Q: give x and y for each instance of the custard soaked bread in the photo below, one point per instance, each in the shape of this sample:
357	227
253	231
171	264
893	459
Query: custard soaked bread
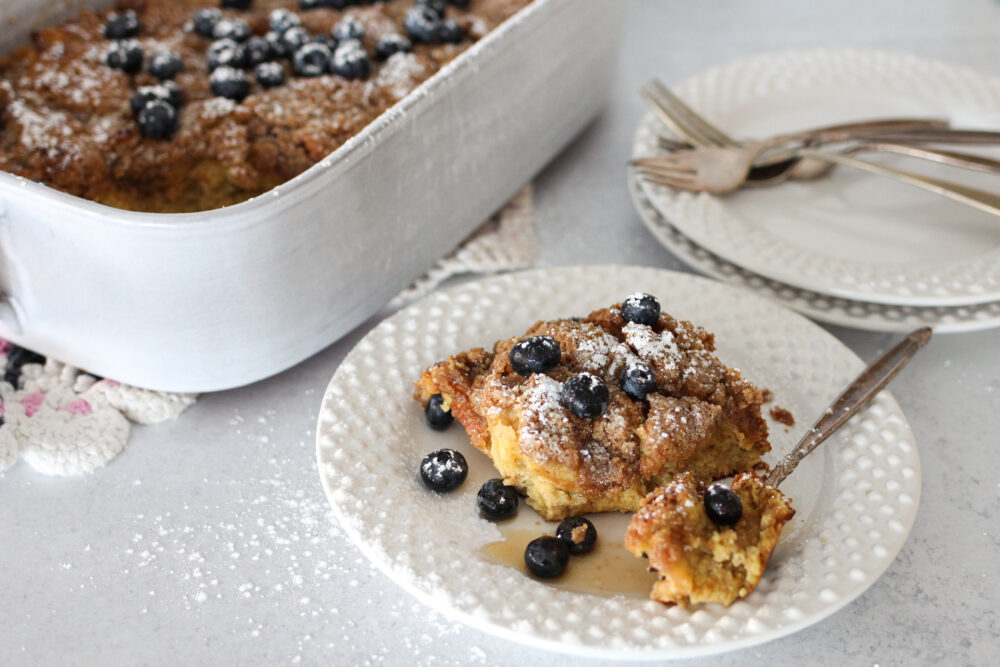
189	105
710	547
589	415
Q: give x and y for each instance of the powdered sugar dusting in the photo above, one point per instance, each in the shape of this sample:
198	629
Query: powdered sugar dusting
400	74
658	350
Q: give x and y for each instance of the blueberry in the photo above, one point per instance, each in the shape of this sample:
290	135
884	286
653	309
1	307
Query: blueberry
276	41
146	94
229	82
459	3
165	65
237	4
311	60
536	354
451	32
391	43
125	55
294	39
348	28
270	75
586	395
235	29
496	500
437	6
641	309
722	504
17	357
158	119
351	61
437	417
422	24
329	41
205	20
280	20
578	534
174	93
313	4
444	470
637	380
546	556
257	50
226	53
120	26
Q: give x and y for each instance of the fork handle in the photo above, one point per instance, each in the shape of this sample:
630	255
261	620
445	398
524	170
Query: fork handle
856	396
984	201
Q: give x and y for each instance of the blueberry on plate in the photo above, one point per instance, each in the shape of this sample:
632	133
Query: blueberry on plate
422	24
722	505
586	395
390	44
348	28
257	50
229	82
270	75
437	417
237	4
294	39
235	29
496	500
311	60
437	6
158	119
121	26
205	20
125	55
351	61
641	309
146	94
546	556
226	53
451	32
444	470
280	20
165	65
536	354
578	534
637	380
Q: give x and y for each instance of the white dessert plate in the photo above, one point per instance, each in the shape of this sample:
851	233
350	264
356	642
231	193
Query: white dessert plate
856	497
821	307
851	235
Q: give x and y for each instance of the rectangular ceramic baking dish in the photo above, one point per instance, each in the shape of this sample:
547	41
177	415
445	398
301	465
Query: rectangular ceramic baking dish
214	300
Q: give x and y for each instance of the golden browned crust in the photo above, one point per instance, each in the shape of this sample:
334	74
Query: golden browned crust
703	418
66	119
697	560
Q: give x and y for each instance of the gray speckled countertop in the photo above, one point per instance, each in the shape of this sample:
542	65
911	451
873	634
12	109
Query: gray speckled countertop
208	540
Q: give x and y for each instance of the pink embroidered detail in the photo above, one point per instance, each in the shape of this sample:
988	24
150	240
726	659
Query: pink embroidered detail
79	407
4	346
32	402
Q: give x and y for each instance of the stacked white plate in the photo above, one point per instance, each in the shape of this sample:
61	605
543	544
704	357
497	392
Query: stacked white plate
852	249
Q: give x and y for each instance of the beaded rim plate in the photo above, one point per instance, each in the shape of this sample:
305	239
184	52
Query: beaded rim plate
856	498
850	235
843	312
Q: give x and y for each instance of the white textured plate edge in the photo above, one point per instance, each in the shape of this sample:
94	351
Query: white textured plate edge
804	299
439	601
777	272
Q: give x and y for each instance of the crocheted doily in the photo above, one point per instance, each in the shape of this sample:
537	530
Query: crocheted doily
64	421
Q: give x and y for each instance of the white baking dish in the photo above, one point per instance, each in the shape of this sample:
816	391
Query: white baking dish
208	301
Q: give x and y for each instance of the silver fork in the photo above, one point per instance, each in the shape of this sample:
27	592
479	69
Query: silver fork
721	164
720	170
